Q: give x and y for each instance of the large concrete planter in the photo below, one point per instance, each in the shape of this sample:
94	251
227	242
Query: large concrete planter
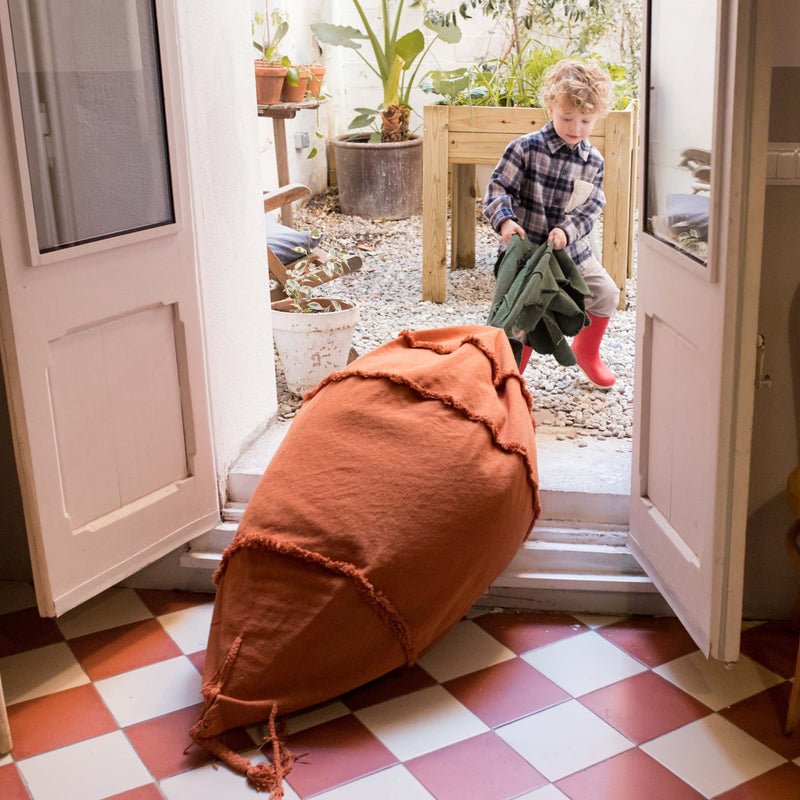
381	180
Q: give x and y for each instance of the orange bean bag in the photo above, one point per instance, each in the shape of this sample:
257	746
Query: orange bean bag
404	487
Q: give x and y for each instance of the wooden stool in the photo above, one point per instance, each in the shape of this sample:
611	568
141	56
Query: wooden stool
5	731
793	548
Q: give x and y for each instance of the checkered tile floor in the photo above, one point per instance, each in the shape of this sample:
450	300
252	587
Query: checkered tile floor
507	705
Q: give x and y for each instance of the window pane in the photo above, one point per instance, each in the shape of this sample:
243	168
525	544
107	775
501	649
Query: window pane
680	103
92	107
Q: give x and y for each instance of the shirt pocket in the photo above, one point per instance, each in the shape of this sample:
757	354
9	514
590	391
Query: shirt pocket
581	192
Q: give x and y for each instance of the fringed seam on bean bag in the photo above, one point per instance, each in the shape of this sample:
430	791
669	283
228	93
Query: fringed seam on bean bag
264	777
428	394
373	597
499	376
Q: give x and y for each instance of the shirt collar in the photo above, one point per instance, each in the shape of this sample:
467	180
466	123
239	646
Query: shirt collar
555	143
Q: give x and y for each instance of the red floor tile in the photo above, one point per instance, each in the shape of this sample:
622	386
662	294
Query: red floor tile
71	716
480	768
199	660
161	601
505	692
337	752
644	706
653	640
117	650
632	775
774	645
148	792
526	631
781	783
161	743
763	716
26	630
11	785
394	684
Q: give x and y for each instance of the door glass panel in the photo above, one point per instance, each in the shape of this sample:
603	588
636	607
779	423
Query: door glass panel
93	115
680	103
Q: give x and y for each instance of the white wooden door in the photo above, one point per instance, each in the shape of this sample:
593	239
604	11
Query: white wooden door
101	330
707	88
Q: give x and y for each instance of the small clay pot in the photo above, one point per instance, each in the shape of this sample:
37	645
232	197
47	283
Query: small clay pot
269	82
296	94
315	82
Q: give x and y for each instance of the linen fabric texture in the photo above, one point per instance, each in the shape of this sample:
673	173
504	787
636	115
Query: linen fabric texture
539	299
404	487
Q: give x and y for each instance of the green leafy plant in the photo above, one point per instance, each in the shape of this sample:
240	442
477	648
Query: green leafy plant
513	81
396	59
273	27
305	274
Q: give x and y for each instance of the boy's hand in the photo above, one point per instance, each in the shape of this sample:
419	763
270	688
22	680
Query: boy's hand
509	228
557	238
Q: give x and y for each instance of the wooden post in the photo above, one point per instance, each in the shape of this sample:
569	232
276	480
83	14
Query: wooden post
617	185
434	204
462	216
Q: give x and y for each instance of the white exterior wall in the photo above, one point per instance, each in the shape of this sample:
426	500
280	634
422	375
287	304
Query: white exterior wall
228	218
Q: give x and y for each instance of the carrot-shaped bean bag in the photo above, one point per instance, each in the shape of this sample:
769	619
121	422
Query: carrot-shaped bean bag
404	487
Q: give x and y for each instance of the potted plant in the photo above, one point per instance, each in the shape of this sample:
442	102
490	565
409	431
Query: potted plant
379	173
312	335
276	76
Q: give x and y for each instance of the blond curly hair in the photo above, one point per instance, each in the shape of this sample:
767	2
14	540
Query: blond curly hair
573	85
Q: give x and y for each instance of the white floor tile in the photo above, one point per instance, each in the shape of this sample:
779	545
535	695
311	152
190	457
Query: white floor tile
563	739
715	684
545	793
583	663
595	621
420	722
151	691
6	759
712	755
464	648
308	719
110	609
394	783
15	596
38	672
89	770
222	783
189	627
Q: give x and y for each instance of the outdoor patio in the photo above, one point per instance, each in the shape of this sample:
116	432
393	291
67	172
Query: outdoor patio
388	290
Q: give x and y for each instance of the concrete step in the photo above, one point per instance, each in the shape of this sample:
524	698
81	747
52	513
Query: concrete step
581	479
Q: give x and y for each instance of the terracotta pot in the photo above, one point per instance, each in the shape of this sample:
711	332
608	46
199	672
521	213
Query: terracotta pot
296	94
269	82
315	82
380	180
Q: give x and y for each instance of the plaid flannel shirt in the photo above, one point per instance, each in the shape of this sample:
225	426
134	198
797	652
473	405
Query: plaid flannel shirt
533	182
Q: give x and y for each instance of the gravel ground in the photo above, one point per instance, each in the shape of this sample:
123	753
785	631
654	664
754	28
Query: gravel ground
388	289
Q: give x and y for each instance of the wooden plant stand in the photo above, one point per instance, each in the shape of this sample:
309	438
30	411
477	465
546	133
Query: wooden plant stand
457	138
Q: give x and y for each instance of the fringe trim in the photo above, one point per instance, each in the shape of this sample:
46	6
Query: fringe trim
263	776
373	597
448	400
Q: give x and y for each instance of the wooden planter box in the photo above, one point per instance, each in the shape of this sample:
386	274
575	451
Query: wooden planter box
457	138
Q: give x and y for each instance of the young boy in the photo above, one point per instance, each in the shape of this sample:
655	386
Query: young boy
548	186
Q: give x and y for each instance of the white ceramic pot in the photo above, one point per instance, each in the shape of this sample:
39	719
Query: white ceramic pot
312	345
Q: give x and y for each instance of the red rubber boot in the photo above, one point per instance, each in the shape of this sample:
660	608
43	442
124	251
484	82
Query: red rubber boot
586	346
526	355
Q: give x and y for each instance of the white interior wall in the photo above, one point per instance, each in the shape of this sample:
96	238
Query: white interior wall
228	217
771	580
